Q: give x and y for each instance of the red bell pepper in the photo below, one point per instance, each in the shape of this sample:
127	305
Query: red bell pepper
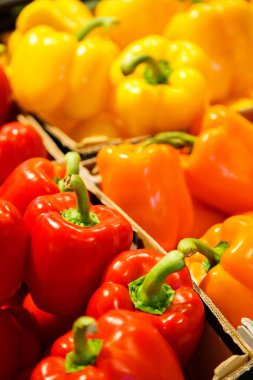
5	96
50	326
69	247
125	347
13	247
34	177
19	343
18	142
159	288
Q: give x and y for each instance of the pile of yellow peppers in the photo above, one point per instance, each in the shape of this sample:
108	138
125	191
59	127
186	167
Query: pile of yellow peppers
133	67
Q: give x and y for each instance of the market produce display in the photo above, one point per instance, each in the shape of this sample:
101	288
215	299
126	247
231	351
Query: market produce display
85	293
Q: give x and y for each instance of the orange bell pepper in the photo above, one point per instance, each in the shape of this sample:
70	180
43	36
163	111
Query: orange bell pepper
229	284
205	217
148	183
219	169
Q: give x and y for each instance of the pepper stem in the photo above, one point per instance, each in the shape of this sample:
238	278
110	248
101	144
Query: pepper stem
80	216
190	246
85	350
96	22
72	167
176	139
157	72
149	293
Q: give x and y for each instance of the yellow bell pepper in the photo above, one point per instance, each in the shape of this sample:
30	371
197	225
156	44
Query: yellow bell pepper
63	15
138	18
224	30
60	79
164	90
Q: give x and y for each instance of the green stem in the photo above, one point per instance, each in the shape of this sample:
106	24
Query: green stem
157	72
150	293
85	350
72	167
96	22
190	246
81	215
176	139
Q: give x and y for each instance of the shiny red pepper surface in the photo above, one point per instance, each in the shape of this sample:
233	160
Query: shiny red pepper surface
131	349
13	247
18	142
180	323
30	179
67	256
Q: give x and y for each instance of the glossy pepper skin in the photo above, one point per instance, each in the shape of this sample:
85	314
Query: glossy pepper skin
154	80
30	179
18	142
69	249
156	197
5	96
204	24
223	149
63	15
151	18
181	319
19	343
66	16
229	244
131	349
13	247
73	84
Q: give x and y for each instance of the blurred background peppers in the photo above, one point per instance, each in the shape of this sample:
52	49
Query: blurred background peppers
73	83
148	183
224	30
5	96
138	18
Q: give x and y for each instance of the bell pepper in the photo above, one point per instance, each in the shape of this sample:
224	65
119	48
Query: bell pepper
70	244
159	289
50	326
18	142
19	343
75	92
219	168
13	247
229	283
65	16
138	18
122	346
34	177
156	197
204	24
5	96
205	216
162	79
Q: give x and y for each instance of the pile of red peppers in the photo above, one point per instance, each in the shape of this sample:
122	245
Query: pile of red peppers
79	303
